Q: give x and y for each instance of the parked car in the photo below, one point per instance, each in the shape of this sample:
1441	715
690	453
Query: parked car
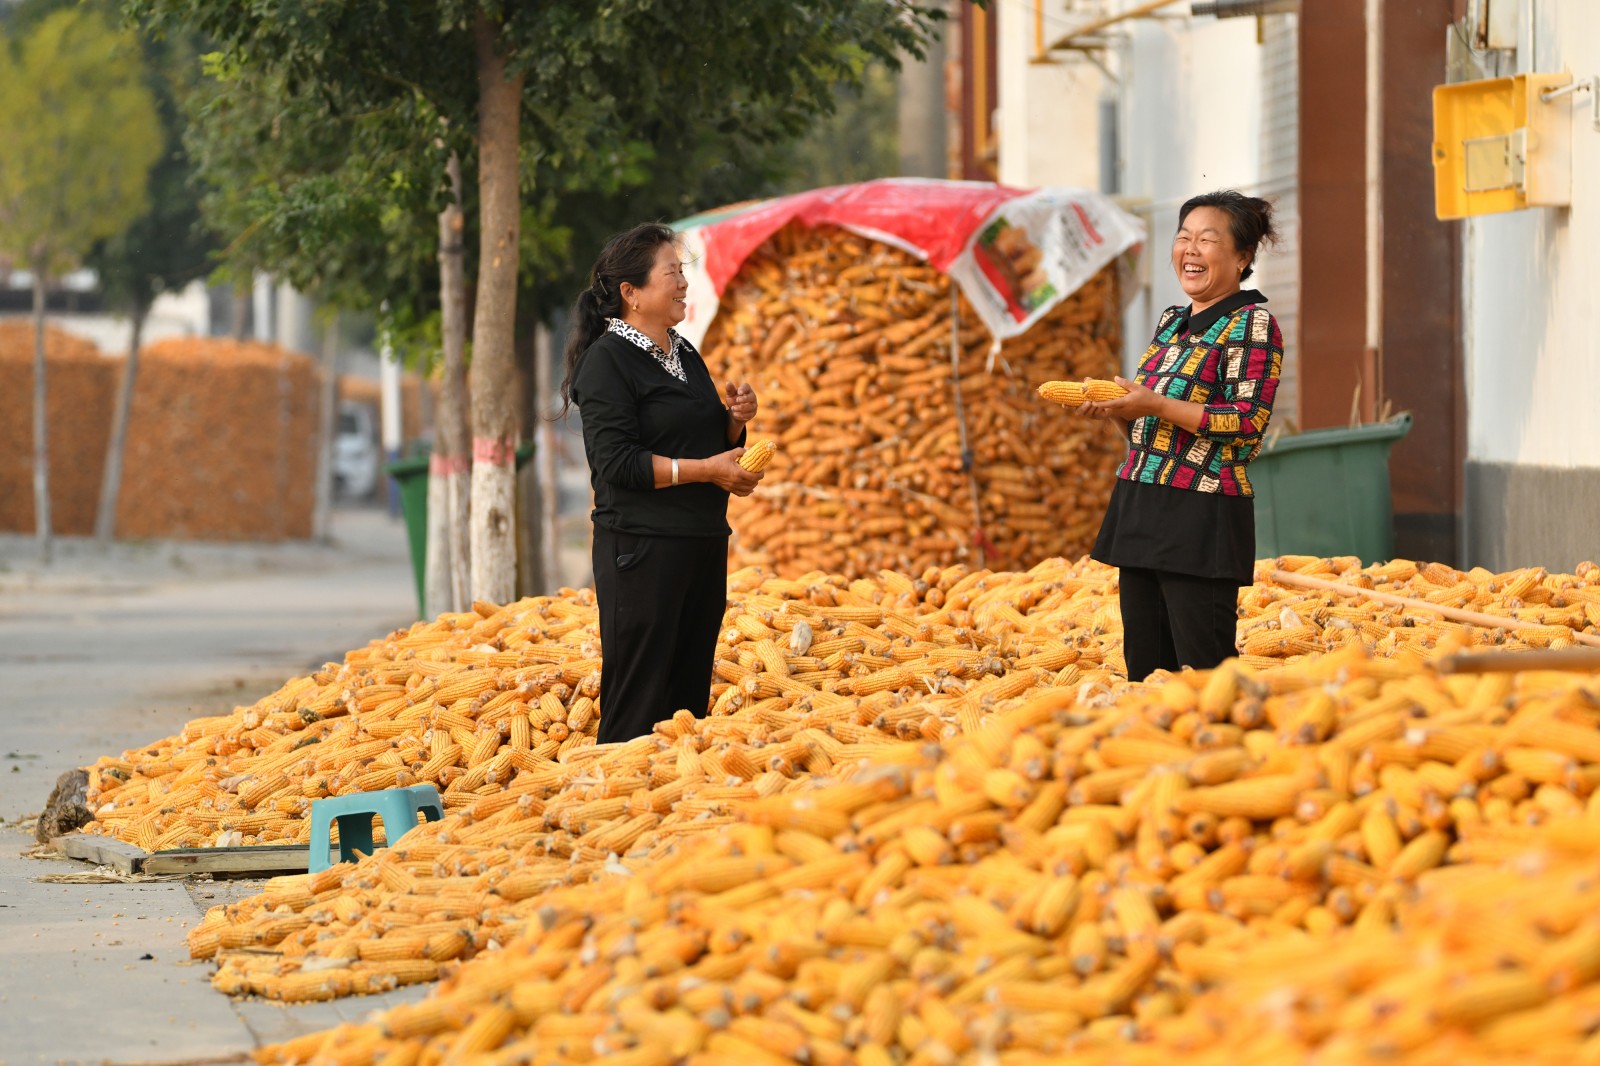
356	455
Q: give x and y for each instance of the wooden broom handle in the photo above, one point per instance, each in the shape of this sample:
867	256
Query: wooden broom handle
1577	660
1455	614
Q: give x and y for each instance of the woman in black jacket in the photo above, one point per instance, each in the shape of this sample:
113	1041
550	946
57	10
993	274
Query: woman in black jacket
663	447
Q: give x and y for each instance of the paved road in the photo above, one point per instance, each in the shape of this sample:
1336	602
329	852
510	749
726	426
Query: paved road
100	652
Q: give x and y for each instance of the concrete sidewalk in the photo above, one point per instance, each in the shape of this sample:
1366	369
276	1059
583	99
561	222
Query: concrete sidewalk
100	652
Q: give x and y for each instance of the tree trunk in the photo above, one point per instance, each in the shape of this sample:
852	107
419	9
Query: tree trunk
449	573
493	379
105	519
327	418
239	308
531	580
41	442
545	456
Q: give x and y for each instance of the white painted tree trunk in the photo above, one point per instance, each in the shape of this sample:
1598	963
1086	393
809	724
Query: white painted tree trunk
105	519
322	506
437	594
41	428
493	374
545	456
449	576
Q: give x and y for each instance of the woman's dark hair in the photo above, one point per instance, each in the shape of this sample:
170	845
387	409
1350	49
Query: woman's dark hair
627	257
1249	220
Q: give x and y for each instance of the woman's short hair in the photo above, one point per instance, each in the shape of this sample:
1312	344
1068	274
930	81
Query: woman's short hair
1249	220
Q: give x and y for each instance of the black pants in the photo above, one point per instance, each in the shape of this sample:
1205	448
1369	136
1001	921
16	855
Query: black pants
1172	620
661	604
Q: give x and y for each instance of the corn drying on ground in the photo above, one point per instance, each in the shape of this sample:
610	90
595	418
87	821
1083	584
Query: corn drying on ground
927	821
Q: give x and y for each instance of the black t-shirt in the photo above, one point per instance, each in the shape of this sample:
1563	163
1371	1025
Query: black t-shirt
634	407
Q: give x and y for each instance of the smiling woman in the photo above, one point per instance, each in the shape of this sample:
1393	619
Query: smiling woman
663	447
1181	521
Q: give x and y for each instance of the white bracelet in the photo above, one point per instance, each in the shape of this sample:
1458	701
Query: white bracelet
674	471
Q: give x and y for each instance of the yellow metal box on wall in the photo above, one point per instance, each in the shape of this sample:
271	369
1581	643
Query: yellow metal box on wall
1498	147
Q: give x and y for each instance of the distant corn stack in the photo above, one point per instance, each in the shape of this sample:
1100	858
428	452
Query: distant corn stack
887	463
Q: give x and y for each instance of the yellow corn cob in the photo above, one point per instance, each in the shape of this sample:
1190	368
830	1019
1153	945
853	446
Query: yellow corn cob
1076	393
758	455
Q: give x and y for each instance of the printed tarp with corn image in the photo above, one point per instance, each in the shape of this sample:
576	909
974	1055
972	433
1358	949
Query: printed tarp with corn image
927	821
896	364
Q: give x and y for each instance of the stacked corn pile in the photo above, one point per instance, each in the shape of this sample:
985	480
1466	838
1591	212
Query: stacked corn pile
816	686
221	438
79	384
1539	609
1076	878
467	700
847	342
1492	960
462	702
221	442
815	676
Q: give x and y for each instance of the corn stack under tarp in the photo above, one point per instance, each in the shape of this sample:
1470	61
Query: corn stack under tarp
848	344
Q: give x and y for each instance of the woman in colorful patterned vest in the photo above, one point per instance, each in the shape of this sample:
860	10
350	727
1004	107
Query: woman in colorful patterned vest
1181	522
663	443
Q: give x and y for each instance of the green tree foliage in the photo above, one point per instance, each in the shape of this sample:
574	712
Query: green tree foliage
80	131
541	101
632	109
858	141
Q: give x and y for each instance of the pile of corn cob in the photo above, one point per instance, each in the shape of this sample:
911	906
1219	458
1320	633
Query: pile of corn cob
848	342
469	700
814	677
1074	877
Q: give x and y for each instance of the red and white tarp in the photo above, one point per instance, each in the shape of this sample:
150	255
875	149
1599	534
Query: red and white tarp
1016	253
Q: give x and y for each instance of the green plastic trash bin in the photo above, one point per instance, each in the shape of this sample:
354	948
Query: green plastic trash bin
1326	492
411	475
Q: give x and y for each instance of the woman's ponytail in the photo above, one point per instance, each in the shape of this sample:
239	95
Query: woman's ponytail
587	322
627	257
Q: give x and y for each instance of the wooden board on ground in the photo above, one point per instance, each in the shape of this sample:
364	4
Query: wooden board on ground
128	859
263	858
102	851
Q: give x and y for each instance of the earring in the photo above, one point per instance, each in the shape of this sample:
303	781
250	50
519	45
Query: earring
636	308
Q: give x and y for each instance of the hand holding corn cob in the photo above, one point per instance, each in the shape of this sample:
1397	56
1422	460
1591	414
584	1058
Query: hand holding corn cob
732	472
758	455
1077	393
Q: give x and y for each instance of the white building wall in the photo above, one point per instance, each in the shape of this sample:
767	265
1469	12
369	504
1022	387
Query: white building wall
1193	112
1048	121
1531	317
1532	284
175	314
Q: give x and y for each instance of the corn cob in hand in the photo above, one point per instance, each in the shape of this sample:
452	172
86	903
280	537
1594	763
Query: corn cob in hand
758	455
1076	393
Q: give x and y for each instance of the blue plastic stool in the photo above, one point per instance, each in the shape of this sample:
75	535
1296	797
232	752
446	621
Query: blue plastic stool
397	807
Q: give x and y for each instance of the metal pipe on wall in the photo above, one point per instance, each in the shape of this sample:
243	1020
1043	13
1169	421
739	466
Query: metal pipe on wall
1371	379
1226	9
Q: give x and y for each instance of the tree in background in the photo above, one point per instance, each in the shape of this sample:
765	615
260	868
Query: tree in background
81	132
859	141
164	250
584	87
